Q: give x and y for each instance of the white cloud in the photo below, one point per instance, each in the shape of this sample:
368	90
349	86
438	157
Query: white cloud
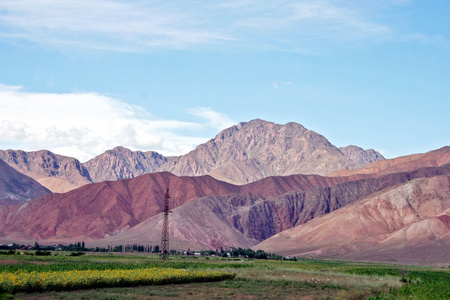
145	25
307	23
100	24
381	151
217	120
83	125
4	87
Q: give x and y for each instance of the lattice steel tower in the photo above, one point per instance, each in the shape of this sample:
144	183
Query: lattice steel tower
165	230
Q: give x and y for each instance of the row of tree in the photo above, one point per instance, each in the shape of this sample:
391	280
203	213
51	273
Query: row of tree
81	247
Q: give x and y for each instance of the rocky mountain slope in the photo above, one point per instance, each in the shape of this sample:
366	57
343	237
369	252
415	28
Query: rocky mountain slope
208	212
407	223
240	154
257	149
244	219
100	209
97	210
360	156
56	172
16	188
122	163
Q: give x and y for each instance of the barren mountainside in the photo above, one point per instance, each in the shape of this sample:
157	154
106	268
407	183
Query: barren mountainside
240	154
122	163
407	223
398	216
100	209
251	213
244	219
43	164
360	156
257	149
407	163
16	188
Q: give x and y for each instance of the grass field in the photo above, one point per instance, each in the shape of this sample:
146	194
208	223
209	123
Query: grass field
254	279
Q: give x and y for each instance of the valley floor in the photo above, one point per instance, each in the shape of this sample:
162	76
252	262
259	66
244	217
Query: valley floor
255	279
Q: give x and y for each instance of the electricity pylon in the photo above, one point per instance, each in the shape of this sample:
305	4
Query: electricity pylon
165	229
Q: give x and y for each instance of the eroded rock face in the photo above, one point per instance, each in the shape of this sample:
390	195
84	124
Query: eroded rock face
360	156
61	174
258	149
256	217
209	211
246	218
16	188
405	223
122	163
41	165
106	208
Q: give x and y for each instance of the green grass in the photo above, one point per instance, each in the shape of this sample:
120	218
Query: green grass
255	279
426	285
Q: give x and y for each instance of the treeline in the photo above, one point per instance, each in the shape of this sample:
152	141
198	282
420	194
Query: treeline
80	247
127	248
250	253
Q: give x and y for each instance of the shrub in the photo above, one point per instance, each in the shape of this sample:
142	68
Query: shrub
42	253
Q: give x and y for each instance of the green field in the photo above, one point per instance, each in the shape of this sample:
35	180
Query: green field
253	279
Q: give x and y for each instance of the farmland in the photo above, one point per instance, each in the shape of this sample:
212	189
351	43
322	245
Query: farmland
139	276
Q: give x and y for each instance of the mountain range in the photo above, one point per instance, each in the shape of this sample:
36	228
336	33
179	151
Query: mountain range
240	154
287	190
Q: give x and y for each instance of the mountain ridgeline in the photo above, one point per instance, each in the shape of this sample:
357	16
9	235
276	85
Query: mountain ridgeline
240	154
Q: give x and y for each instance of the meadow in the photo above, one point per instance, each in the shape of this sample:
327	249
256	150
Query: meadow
144	276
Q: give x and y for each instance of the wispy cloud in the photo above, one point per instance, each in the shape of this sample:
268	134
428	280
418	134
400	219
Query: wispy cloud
306	26
142	26
100	24
217	120
83	125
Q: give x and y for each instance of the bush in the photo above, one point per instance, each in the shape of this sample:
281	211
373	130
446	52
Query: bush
79	253
42	253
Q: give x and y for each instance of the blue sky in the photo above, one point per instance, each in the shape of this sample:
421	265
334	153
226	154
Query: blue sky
80	77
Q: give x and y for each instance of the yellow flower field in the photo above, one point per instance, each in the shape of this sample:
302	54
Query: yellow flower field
86	279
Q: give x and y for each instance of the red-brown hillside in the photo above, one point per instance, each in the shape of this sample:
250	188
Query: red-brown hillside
242	220
103	209
99	209
409	223
407	163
